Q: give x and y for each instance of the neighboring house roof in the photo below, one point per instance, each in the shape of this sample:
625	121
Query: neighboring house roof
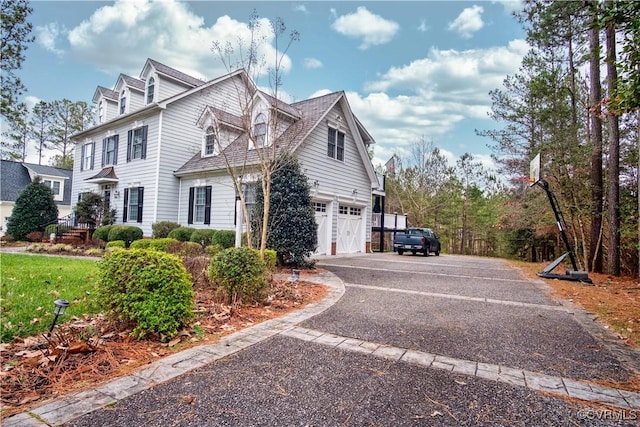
310	112
173	73
106	93
16	176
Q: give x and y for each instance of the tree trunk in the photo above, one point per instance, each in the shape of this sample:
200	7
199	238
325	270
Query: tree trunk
613	252
595	252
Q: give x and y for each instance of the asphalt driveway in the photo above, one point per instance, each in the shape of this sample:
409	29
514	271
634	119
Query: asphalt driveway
413	340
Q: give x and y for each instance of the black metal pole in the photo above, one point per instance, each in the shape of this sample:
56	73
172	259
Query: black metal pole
559	221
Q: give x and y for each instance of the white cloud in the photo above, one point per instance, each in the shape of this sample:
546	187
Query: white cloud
423	26
115	37
300	8
433	95
47	36
511	6
312	63
371	29
468	22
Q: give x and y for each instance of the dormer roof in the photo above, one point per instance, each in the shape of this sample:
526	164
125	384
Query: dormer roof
103	92
169	72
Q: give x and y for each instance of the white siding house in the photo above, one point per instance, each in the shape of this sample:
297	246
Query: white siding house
164	141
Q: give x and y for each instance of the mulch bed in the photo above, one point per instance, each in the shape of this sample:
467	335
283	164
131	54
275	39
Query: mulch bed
83	353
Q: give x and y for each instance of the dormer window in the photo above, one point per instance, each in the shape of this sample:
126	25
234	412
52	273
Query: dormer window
260	129
210	142
123	102
151	87
101	111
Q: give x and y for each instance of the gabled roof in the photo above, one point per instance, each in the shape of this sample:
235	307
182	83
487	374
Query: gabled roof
223	118
172	73
132	82
16	176
310	112
280	105
106	93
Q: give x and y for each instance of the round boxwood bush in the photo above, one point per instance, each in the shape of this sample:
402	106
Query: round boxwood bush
161	244
102	233
224	238
182	234
147	289
116	244
240	274
128	233
203	236
162	229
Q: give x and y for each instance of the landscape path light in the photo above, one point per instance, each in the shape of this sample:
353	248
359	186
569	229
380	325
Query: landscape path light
60	307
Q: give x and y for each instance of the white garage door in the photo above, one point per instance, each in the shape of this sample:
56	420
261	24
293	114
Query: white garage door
322	219
350	230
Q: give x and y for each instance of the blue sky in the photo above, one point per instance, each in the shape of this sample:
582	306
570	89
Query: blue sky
411	70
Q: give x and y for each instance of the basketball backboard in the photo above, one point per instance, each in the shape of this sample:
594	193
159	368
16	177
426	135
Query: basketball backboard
534	170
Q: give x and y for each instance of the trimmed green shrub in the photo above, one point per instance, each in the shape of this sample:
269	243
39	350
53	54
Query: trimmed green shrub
203	236
128	233
240	273
213	250
271	259
184	249
182	234
140	244
224	238
161	244
163	228
102	233
147	289
116	244
33	211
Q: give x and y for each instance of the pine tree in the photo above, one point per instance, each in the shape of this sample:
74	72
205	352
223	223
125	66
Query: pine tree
33	211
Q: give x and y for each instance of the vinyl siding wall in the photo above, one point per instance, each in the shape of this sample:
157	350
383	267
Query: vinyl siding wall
223	200
166	88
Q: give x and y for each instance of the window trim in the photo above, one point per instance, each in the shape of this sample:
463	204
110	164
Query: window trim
151	90
86	159
214	148
192	205
105	150
122	103
130	145
259	130
335	144
126	217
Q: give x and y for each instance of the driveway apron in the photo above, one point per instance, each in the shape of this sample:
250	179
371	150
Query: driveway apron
414	340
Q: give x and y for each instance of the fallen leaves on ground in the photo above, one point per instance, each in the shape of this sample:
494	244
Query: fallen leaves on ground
83	353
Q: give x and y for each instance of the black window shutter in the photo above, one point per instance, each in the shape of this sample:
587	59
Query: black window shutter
115	154
140	200
126	205
93	153
82	157
129	139
207	205
191	197
104	151
144	142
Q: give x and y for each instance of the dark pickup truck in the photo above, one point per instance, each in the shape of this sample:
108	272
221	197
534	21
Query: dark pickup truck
416	240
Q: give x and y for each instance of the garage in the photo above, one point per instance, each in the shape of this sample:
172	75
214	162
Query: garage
350	235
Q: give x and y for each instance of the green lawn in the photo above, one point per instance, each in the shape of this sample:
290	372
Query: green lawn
30	283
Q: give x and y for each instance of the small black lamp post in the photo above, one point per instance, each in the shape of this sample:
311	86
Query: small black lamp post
61	306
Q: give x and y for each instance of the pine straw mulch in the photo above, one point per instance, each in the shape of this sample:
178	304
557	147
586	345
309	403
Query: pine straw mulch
615	301
83	353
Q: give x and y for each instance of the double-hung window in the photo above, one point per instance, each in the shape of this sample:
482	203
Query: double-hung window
210	141
335	144
151	86
123	102
137	143
87	156
110	150
54	186
260	130
199	205
133	199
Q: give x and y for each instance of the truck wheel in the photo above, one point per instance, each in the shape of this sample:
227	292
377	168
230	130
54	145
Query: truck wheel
413	252
400	251
437	253
427	250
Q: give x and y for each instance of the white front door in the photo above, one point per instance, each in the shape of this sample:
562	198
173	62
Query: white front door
350	235
322	219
